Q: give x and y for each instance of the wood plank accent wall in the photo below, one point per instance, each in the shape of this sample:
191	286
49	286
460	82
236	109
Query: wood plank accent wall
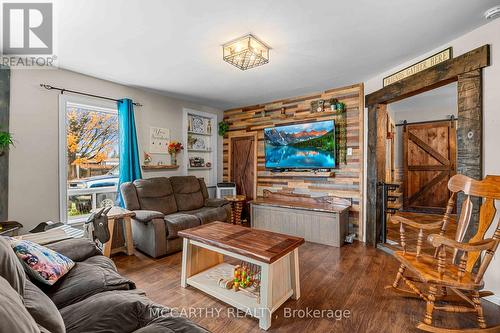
347	179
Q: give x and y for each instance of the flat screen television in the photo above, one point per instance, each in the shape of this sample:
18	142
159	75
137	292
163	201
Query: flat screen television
301	146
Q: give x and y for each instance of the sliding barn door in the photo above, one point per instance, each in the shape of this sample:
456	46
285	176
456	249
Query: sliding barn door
429	162
243	161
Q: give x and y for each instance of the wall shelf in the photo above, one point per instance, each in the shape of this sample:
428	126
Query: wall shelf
200	140
159	167
199	150
196	133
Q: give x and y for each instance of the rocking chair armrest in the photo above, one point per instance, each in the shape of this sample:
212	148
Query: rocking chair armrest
395	219
438	240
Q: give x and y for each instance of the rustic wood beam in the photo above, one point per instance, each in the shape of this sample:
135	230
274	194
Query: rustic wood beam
470	136
4	126
371	176
433	77
377	131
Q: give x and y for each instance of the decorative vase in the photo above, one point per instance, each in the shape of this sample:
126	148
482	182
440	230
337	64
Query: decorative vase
173	158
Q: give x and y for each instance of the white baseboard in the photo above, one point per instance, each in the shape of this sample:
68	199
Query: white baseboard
493	299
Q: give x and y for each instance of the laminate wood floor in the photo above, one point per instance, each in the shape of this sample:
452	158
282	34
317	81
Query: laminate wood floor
350	278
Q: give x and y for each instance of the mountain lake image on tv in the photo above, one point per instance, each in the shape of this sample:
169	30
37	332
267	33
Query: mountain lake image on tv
301	146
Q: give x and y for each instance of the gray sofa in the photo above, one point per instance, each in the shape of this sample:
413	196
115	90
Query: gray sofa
91	297
165	206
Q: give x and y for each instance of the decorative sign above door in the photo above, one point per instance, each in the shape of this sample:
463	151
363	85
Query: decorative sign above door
419	66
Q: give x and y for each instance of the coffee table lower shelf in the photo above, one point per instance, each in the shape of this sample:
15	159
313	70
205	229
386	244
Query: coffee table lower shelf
242	300
203	263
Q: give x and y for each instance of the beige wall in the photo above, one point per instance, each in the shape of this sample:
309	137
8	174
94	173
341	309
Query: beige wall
34	121
487	34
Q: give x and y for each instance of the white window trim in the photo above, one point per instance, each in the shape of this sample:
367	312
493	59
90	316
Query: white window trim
64	100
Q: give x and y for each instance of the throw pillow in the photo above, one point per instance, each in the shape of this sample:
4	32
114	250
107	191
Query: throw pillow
41	263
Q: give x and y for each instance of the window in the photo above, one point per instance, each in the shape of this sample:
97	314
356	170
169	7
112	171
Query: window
89	158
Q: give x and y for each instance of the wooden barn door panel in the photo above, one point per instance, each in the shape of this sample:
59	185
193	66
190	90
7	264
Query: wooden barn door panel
243	165
429	162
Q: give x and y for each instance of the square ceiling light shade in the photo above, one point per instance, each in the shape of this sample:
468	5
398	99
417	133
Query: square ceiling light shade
246	52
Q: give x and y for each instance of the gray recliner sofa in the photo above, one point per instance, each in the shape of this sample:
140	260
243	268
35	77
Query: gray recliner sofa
165	206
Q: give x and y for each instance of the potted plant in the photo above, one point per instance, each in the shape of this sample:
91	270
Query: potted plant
223	128
174	147
5	142
333	104
340	106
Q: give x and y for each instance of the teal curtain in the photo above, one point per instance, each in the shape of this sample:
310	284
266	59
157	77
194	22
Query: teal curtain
130	162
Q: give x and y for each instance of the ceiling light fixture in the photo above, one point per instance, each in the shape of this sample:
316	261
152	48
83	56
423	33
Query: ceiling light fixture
246	52
492	13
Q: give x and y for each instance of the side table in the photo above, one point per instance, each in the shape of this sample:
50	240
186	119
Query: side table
237	202
114	214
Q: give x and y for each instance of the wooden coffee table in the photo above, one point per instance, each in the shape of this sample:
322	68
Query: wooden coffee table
276	254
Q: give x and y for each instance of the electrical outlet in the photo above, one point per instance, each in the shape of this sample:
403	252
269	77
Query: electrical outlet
349	151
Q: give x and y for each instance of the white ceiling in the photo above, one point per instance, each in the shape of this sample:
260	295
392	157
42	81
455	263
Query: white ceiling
174	47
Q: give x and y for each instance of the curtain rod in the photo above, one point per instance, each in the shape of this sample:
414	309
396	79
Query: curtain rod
62	90
452	118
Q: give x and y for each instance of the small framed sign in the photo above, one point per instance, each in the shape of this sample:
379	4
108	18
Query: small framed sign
158	140
429	62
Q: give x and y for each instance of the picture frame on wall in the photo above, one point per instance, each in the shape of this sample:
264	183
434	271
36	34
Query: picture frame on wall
158	140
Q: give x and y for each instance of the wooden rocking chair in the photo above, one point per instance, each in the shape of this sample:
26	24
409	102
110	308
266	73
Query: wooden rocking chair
438	274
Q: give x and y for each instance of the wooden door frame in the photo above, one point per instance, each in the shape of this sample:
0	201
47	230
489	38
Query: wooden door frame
232	136
466	70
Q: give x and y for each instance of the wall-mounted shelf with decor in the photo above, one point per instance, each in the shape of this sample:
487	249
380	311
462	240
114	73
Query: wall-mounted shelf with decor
200	150
197	133
159	167
200	140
